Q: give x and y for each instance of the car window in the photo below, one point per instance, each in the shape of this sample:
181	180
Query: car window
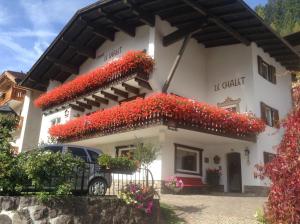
94	156
78	152
53	148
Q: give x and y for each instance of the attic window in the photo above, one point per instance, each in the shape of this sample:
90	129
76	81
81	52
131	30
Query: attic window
267	71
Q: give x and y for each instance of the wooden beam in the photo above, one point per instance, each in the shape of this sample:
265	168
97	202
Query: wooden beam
92	102
108	35
133	98
118	24
100	99
76	107
143	16
120	92
131	89
181	33
196	6
110	96
176	63
64	66
143	83
82	50
84	105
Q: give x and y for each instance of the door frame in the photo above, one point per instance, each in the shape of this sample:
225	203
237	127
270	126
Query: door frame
240	176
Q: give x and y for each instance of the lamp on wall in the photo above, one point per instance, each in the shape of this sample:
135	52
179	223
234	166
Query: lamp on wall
247	154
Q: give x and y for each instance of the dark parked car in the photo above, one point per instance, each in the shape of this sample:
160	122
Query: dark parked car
91	179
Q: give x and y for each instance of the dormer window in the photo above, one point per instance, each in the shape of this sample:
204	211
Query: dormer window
267	71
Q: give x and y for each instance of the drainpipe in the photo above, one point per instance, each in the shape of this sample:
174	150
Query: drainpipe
176	63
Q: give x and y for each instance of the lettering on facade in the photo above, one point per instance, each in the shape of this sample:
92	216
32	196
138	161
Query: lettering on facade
112	53
230	83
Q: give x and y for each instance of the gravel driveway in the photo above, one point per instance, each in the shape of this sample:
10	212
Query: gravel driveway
215	209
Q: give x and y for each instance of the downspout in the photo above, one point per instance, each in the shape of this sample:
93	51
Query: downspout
176	63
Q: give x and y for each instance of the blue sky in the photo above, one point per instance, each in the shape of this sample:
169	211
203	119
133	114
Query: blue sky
27	27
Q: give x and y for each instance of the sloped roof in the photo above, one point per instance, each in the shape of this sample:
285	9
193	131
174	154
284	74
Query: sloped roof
15	77
212	22
293	39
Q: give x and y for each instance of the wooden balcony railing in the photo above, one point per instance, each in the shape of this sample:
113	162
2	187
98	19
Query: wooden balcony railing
14	93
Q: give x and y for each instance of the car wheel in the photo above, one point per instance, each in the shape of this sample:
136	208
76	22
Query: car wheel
97	187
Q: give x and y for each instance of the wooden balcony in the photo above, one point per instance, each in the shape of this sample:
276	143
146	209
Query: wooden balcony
15	94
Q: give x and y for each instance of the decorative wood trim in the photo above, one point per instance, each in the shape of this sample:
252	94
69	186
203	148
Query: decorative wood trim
110	96
230	102
120	92
131	89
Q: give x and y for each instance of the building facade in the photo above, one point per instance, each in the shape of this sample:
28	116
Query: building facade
228	62
18	100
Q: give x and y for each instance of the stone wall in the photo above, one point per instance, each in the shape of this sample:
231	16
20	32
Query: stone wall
73	210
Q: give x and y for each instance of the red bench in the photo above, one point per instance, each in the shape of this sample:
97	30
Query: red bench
190	181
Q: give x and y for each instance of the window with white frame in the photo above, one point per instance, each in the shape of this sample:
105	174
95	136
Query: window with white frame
55	121
269	115
188	159
125	151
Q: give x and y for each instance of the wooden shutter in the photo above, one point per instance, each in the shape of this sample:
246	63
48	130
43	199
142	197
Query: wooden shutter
276	118
263	112
259	64
273	73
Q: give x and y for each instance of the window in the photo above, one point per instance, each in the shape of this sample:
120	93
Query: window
269	115
78	152
93	155
268	157
188	159
55	121
126	150
267	71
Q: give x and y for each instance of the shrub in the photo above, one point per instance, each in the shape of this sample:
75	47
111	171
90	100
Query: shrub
10	175
45	169
283	205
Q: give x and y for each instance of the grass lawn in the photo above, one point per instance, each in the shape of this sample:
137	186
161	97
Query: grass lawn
168	215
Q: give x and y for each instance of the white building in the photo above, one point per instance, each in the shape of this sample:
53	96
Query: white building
20	100
233	60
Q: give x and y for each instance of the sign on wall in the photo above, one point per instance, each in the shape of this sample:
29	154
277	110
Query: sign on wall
230	83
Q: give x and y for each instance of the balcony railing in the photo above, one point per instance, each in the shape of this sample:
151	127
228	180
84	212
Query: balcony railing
14	93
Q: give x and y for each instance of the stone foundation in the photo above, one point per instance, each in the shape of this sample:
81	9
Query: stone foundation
73	210
256	190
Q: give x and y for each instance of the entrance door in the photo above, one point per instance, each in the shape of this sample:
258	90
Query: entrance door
234	173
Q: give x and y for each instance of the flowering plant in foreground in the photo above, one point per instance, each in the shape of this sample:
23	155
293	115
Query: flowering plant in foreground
132	61
157	107
174	184
139	196
283	205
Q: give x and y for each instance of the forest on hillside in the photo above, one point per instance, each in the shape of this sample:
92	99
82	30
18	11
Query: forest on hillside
282	15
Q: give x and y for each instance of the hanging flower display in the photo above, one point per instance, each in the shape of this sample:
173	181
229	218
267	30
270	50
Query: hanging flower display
130	62
157	108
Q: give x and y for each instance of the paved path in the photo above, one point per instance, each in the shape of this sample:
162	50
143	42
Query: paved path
215	209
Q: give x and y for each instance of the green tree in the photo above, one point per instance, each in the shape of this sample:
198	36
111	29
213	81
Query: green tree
282	15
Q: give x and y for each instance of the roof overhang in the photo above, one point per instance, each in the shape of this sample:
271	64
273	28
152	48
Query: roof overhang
212	23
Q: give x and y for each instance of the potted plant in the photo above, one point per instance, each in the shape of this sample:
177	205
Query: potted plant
213	177
117	165
174	184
